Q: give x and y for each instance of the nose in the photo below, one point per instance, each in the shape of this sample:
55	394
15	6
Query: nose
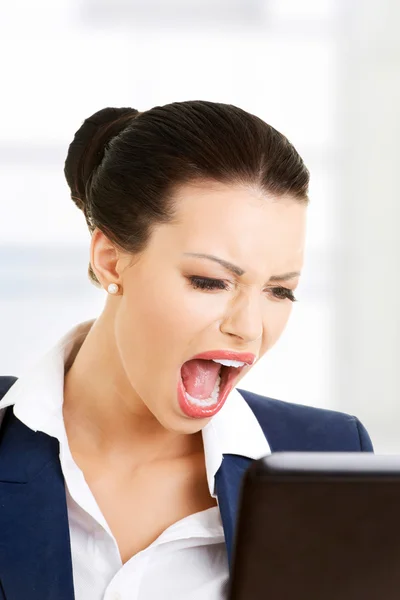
245	319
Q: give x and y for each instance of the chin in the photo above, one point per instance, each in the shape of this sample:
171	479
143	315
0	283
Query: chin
180	423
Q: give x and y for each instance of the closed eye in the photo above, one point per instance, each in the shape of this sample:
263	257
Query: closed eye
206	283
283	293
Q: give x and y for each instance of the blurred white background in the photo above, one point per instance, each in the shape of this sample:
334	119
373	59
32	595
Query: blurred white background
324	72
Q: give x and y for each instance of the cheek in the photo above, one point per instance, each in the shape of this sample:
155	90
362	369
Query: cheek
151	318
159	318
175	308
275	323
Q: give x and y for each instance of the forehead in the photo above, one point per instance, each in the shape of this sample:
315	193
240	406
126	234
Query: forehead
240	223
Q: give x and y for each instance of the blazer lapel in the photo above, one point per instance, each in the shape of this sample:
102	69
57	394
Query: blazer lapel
228	483
35	555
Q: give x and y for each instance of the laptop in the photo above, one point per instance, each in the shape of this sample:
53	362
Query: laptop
318	526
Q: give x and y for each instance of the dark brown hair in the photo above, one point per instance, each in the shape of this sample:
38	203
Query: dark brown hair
123	165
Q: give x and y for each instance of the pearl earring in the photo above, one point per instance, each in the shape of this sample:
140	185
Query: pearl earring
113	288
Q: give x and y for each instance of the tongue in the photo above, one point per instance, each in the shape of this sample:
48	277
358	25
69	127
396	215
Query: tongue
199	377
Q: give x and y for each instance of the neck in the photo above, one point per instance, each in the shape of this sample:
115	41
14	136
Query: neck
104	415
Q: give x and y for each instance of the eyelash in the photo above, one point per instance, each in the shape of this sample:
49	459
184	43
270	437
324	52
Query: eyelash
206	283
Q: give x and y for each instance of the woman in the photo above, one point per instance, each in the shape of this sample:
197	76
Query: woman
130	437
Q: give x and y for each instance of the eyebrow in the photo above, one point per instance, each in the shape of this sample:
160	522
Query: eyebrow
238	270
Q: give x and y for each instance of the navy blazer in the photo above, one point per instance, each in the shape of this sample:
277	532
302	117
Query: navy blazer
35	553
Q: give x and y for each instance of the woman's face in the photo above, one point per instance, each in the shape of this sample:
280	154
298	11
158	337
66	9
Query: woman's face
214	281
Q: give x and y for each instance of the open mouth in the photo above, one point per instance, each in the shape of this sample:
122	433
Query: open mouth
206	382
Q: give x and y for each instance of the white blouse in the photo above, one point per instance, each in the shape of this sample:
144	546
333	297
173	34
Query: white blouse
188	561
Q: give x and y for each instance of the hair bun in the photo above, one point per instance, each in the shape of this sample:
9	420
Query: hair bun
86	151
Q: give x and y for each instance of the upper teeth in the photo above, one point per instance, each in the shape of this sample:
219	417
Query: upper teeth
229	363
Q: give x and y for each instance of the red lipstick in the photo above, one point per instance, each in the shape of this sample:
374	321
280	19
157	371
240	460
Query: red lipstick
247	357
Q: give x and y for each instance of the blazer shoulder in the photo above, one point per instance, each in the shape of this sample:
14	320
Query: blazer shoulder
296	427
6	381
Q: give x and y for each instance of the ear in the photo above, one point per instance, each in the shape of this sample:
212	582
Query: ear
105	259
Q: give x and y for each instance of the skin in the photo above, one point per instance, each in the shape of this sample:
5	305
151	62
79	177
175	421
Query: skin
121	412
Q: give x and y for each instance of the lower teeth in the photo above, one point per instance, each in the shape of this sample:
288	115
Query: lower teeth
213	399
